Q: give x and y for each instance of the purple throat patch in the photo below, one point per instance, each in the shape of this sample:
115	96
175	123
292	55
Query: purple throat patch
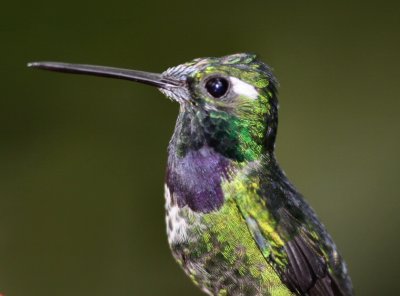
195	179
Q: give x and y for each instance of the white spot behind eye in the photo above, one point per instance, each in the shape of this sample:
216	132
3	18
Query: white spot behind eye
243	88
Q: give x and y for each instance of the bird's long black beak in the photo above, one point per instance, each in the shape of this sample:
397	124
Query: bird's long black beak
153	79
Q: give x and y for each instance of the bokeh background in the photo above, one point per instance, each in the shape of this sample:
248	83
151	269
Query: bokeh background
82	159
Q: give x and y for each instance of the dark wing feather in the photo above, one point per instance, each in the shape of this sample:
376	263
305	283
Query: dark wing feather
314	260
298	273
323	286
307	271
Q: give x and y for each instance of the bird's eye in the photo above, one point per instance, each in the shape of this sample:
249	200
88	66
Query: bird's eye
217	86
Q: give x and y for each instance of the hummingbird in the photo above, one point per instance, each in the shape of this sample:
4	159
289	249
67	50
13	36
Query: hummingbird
235	223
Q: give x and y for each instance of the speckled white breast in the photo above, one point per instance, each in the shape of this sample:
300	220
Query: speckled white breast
177	226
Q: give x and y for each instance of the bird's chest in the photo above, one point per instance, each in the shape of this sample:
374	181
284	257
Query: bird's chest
217	250
192	245
183	225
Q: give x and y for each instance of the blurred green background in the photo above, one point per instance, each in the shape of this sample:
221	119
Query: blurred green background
82	159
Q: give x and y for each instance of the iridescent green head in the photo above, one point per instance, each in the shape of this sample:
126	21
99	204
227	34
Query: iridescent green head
227	103
232	100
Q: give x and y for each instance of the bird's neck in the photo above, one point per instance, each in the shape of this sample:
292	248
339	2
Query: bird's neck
241	139
201	157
